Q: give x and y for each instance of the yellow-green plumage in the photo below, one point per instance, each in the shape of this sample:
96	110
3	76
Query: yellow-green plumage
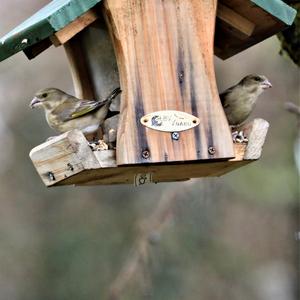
65	112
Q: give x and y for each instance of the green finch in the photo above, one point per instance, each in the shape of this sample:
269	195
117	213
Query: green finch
239	100
65	112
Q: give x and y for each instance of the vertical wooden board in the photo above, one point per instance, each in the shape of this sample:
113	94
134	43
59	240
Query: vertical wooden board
93	63
164	51
79	69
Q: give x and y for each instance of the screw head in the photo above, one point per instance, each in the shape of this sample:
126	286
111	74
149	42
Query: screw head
145	154
70	167
175	136
51	176
211	150
181	75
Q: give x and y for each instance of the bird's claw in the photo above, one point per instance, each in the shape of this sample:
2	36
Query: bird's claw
239	138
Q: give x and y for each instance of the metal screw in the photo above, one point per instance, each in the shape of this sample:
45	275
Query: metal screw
51	176
181	75
146	154
70	167
175	136
211	150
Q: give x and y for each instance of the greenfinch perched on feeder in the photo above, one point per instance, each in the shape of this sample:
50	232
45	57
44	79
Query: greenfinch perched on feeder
239	100
65	112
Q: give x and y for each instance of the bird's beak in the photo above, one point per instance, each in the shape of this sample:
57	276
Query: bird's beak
34	102
266	84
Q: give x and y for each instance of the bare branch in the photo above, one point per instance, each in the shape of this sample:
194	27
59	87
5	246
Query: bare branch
137	263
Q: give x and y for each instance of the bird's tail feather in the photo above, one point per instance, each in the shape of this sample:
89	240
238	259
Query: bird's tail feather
113	94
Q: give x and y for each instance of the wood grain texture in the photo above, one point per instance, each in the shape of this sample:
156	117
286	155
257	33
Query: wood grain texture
71	161
164	51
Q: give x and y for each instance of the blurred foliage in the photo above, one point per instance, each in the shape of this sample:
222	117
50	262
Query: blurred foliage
290	37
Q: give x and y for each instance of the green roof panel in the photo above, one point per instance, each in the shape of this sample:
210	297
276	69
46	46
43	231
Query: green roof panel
51	18
278	9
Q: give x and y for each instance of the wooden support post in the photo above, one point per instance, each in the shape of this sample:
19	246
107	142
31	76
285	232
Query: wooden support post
164	51
79	70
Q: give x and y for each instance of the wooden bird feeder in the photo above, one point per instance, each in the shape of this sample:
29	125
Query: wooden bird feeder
172	126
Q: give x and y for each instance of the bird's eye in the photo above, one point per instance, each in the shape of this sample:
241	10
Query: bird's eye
257	78
44	95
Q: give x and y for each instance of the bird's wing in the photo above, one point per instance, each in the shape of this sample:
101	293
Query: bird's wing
224	96
73	108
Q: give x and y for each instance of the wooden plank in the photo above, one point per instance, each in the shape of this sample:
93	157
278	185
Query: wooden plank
79	69
164	52
235	20
62	36
256	132
68	159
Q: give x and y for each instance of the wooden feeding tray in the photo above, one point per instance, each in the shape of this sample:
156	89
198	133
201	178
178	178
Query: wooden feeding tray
68	159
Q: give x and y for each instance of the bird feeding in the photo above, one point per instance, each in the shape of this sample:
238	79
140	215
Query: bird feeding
65	112
239	100
171	124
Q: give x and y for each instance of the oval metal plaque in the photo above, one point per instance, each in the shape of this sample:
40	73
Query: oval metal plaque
170	120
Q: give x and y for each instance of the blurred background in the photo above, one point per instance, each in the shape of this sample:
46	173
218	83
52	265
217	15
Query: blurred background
223	238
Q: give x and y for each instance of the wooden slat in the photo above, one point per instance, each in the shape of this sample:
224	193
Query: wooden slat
164	51
255	131
65	34
54	159
79	69
236	21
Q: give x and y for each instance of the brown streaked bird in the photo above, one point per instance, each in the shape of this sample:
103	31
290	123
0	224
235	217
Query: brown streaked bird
239	100
65	112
